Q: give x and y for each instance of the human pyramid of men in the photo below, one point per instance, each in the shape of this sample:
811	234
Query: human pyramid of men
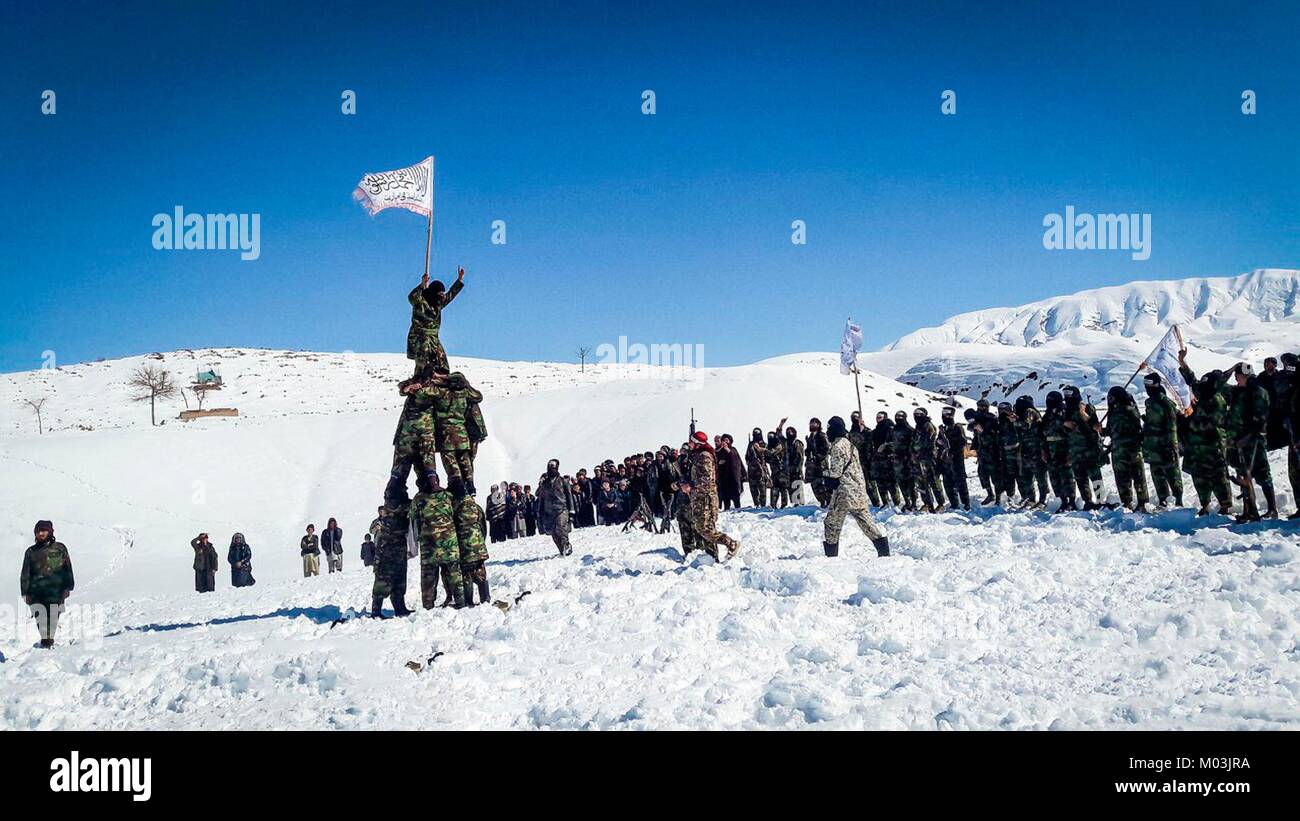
441	416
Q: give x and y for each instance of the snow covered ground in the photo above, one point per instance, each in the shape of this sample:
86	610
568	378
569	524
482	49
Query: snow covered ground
1006	620
983	620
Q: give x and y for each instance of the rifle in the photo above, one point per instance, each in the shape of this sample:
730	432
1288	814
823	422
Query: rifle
692	423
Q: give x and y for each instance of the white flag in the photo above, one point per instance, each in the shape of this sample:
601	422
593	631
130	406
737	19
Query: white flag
1164	361
410	188
849	346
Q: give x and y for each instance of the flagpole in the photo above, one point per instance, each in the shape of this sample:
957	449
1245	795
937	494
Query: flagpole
857	391
428	243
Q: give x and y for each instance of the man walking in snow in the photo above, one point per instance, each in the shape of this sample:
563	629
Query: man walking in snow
46	580
848	492
704	498
555	499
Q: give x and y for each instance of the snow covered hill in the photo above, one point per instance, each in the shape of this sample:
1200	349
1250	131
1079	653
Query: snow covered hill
1096	338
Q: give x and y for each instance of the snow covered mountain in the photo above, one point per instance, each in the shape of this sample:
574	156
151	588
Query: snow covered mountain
1096	338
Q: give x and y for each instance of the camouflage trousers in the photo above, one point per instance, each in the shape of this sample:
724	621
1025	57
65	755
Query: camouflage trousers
1083	477
459	465
873	492
1214	485
780	492
689	541
882	475
439	560
987	473
955	485
704	521
1168	481
927	482
1062	477
1033	477
426	349
406	457
758	492
905	481
474	574
834	523
390	578
1130	478
1254	457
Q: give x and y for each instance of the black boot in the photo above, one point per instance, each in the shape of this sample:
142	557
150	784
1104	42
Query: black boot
47	644
1271	499
458	597
399	606
468	593
881	545
377	607
832	549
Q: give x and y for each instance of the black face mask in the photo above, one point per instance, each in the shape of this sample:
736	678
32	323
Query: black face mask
1154	392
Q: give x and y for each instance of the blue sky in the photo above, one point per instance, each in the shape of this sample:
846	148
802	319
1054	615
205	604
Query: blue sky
672	228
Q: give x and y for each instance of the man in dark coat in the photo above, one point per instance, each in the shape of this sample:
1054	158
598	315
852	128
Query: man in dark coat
240	557
731	472
205	564
555	501
331	543
46	580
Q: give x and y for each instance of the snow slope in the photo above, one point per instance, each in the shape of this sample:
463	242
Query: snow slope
986	620
1096	338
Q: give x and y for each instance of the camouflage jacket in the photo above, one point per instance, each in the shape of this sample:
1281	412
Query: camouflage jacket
390	545
842	463
704	475
475	427
1205	437
816	450
47	573
861	439
1247	411
1124	429
1085	442
756	463
469	530
449	403
778	469
1160	431
794	458
924	437
433	517
426	310
1032	440
900	444
956	436
1056	438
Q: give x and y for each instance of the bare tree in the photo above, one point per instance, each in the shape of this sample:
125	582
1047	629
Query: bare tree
582	357
151	384
36	405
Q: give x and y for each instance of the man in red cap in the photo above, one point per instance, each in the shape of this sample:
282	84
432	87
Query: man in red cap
704	498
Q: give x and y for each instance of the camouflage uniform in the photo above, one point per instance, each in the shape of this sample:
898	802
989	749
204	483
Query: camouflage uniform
900	451
988	454
704	504
1246	424
682	510
422	342
849	498
1057	442
924	438
390	555
778	470
794	467
1206	455
760	475
448	403
1010	469
882	462
1124	429
815	452
860	435
45	581
953	468
1033	466
1085	447
415	437
433	517
473	549
1160	447
476	429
